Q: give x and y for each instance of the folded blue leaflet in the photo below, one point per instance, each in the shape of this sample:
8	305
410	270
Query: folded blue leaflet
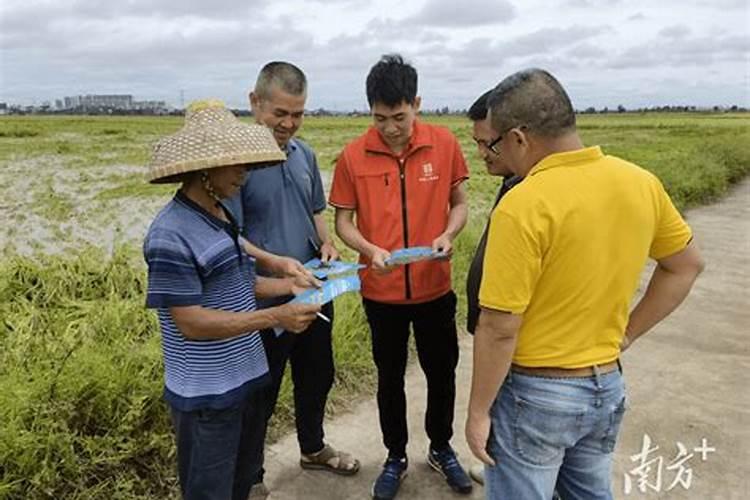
329	291
323	270
412	254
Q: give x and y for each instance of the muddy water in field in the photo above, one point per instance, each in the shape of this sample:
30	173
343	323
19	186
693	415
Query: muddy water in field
53	204
49	206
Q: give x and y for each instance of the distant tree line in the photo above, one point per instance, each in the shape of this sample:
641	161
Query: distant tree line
664	109
591	110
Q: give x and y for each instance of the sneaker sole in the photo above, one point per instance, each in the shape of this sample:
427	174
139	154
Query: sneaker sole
328	468
400	481
436	468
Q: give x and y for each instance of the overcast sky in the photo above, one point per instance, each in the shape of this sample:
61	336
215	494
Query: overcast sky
605	52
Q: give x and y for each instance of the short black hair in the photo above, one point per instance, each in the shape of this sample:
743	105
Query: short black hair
535	99
478	111
391	81
283	75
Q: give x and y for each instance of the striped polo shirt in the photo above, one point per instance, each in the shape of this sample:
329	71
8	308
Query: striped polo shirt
195	258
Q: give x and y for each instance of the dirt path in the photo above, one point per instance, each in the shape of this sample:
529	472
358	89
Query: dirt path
687	381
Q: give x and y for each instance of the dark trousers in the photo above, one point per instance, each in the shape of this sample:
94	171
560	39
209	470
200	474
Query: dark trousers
311	357
437	349
220	452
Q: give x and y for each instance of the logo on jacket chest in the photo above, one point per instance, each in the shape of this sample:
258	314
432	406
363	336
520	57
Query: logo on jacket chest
428	173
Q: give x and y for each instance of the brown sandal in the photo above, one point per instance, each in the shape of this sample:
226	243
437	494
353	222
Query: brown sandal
331	460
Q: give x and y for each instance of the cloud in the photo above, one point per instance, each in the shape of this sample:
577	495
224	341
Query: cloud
676	31
448	14
590	4
674	52
723	4
586	51
53	48
545	47
548	40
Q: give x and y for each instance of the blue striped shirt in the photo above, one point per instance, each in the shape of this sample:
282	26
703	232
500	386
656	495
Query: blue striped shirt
195	258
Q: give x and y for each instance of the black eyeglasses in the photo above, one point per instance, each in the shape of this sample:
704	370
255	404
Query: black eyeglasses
491	145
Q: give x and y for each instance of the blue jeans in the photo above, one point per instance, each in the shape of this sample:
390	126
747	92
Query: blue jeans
220	452
554	434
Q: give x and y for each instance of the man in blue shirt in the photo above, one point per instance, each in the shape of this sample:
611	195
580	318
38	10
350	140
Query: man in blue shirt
282	213
204	288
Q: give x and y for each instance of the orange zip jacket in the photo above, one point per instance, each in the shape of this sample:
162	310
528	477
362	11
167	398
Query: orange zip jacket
401	201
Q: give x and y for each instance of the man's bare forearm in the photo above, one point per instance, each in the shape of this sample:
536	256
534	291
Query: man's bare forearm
664	294
272	287
670	283
266	260
350	235
458	214
202	323
494	344
321	227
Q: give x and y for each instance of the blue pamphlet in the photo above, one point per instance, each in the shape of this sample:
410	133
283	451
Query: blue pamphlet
323	270
412	254
329	291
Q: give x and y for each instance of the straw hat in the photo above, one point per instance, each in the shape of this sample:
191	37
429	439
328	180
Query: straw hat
212	137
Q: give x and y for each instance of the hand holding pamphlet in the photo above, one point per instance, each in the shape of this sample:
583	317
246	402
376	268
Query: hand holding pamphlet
413	254
322	270
329	291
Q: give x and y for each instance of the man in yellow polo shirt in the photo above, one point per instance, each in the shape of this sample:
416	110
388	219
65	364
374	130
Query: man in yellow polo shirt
547	395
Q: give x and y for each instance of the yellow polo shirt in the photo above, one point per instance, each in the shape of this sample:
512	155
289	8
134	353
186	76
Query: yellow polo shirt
566	248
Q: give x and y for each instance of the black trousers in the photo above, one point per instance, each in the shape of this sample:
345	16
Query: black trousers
437	349
311	357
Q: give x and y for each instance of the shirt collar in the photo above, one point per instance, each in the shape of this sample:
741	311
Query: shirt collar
568	158
420	137
290	146
212	220
509	182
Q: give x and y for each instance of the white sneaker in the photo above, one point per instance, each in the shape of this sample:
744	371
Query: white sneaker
476	472
259	491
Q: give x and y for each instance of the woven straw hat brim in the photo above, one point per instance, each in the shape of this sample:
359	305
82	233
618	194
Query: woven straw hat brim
174	172
212	137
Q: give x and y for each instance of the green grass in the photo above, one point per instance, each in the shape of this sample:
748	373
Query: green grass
81	414
81	378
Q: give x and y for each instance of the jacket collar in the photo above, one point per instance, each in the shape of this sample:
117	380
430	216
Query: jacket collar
420	137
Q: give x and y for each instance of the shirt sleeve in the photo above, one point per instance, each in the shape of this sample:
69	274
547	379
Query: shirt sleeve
459	171
512	265
672	234
318	194
343	194
173	278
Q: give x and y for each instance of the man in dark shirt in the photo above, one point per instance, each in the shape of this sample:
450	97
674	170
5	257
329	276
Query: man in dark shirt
495	166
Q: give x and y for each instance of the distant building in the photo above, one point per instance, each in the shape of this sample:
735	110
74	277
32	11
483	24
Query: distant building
3	108
59	104
72	102
108	103
120	102
97	102
152	106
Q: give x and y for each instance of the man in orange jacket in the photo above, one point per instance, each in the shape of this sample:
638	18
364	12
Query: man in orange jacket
403	180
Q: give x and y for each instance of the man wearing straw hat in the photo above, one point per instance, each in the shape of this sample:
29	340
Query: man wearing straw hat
282	211
204	288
